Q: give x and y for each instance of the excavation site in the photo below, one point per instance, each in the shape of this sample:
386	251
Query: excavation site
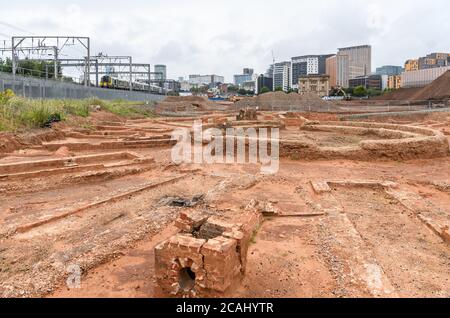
358	204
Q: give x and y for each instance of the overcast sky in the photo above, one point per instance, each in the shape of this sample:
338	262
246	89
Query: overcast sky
204	37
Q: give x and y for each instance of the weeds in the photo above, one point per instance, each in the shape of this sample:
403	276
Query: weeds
255	233
18	113
128	109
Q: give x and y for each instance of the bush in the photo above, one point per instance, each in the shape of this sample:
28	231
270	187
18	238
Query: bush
374	92
31	113
18	112
360	91
264	90
6	96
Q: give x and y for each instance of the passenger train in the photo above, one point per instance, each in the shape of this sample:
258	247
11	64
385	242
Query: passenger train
108	81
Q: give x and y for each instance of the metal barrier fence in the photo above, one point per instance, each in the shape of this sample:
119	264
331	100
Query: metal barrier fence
32	87
351	107
388	114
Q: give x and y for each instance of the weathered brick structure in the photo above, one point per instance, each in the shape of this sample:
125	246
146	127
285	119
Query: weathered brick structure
207	257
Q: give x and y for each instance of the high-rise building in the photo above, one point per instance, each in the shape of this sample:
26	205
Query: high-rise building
342	70
240	79
411	65
433	60
161	72
282	76
263	81
269	72
246	76
331	70
389	70
353	62
248	71
308	65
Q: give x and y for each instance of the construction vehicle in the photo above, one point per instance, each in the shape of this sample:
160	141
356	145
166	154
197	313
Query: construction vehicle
235	99
341	90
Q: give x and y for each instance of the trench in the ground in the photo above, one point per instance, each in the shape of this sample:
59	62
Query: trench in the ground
414	259
92	236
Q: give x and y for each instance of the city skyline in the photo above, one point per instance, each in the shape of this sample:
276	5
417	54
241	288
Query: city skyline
200	38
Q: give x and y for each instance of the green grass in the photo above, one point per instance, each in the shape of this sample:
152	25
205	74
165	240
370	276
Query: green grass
128	109
21	113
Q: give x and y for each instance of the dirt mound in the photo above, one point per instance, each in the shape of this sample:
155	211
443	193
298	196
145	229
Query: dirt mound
283	101
62	152
186	104
400	94
10	142
437	90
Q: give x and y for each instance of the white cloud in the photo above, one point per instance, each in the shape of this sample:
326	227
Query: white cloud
200	36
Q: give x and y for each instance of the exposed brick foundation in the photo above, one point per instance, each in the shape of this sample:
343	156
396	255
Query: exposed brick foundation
207	257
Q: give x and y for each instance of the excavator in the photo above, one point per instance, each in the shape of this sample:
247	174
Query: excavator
341	90
235	99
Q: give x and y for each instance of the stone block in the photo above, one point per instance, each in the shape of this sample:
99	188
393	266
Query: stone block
214	227
190	220
320	187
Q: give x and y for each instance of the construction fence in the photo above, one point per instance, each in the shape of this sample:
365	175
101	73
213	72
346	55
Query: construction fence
33	87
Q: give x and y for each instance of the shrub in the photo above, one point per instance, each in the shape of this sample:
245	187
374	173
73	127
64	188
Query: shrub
6	96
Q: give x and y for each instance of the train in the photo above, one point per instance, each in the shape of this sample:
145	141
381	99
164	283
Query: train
111	82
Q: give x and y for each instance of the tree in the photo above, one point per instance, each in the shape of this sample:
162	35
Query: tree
264	90
279	89
360	91
32	68
348	91
242	92
233	88
6	66
373	92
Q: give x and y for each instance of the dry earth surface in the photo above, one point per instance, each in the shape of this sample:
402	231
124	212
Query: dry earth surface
102	199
